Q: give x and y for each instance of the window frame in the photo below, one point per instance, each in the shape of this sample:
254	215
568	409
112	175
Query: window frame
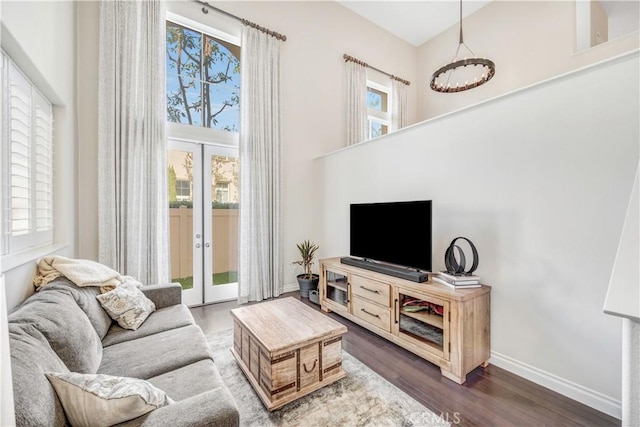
36	236
180	186
201	134
378	116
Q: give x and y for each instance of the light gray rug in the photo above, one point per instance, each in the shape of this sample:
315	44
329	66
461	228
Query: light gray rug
363	398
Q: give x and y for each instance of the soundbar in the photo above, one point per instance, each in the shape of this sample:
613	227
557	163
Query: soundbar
403	273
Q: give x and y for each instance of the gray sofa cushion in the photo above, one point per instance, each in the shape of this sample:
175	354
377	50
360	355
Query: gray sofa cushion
155	354
86	300
189	380
175	316
163	295
216	408
65	326
35	401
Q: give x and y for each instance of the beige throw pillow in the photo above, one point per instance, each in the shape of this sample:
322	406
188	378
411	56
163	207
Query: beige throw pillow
127	305
104	400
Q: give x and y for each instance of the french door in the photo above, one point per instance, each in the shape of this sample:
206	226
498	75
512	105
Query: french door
203	220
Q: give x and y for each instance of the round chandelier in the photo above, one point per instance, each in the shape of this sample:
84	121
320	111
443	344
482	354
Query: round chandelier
469	72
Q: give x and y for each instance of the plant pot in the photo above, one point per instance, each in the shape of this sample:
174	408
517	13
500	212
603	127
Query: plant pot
307	285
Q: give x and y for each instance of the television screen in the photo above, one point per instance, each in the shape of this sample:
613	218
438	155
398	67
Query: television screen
395	233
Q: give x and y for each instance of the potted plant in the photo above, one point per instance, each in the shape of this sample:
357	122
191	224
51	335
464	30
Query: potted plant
307	280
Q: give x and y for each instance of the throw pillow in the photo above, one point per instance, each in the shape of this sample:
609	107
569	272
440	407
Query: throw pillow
127	305
97	399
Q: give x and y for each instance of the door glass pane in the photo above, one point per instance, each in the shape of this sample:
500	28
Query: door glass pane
337	288
181	216
422	320
224	219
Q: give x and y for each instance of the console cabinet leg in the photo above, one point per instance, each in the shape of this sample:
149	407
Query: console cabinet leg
325	309
453	377
485	364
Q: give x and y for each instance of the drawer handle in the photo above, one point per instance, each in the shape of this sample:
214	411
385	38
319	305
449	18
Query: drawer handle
370	314
308	371
375	291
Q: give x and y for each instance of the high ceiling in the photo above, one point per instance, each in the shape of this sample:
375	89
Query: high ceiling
414	21
418	21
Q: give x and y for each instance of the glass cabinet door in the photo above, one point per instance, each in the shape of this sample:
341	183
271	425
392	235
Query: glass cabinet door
425	320
337	289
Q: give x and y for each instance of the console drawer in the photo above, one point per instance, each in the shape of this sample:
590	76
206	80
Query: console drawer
372	313
370	289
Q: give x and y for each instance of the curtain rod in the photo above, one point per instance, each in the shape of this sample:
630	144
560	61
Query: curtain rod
348	58
244	21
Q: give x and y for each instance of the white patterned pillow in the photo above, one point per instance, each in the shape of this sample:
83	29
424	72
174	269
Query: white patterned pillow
127	305
97	399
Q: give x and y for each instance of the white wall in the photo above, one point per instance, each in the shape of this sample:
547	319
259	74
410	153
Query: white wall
539	180
7	415
529	41
40	37
318	34
88	57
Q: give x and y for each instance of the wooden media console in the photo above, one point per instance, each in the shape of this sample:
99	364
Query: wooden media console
448	327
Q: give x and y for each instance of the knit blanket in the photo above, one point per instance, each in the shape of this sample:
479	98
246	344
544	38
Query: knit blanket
81	272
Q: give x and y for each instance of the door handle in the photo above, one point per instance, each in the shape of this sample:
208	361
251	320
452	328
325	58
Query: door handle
198	245
206	245
395	310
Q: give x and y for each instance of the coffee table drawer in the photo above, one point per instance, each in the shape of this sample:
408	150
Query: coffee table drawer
309	366
372	313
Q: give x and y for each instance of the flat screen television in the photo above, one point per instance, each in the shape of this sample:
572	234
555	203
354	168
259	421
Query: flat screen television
395	233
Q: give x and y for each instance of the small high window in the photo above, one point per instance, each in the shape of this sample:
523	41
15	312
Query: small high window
378	110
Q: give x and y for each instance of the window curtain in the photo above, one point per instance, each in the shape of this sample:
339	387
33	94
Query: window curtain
399	105
260	270
356	80
132	169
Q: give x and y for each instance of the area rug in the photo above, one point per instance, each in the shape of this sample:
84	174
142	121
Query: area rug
363	398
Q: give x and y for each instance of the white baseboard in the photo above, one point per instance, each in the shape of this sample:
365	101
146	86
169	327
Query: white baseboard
592	398
290	287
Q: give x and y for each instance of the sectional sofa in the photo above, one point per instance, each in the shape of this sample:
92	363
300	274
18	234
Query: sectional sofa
63	328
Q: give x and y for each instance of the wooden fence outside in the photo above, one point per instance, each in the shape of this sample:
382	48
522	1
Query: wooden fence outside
224	241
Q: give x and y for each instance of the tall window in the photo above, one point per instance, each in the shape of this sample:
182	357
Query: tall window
378	110
27	155
203	79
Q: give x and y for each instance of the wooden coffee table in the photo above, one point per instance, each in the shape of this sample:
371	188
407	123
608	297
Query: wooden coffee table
286	349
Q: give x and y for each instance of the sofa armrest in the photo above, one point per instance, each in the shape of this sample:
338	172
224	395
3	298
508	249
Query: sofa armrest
164	295
215	407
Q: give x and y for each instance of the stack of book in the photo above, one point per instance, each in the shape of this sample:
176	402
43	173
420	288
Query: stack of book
457	282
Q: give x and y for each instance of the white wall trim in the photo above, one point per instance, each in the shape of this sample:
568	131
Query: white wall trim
11	261
551	80
7	414
592	398
290	287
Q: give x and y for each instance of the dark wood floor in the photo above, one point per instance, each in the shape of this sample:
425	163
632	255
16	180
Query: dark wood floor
490	397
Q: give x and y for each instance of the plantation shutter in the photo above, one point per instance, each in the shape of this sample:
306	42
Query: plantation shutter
43	163
29	202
